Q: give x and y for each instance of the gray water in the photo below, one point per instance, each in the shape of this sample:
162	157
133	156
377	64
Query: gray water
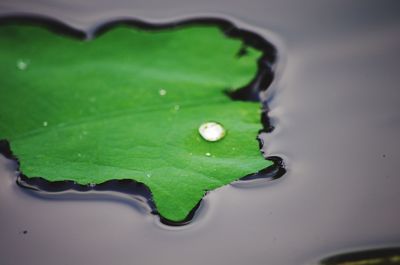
336	105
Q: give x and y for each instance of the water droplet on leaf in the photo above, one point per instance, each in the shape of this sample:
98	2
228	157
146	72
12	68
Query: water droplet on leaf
162	92
212	131
45	123
22	65
208	154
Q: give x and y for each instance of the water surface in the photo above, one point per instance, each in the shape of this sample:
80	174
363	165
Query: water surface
335	105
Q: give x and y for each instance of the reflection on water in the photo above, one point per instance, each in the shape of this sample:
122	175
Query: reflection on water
336	113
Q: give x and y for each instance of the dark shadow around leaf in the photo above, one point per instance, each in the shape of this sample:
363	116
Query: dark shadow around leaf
120	111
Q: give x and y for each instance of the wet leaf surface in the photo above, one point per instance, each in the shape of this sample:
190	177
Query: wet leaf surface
128	105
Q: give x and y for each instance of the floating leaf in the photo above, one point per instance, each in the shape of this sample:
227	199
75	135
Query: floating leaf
127	105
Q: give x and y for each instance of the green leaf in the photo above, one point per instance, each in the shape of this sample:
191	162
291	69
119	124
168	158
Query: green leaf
127	105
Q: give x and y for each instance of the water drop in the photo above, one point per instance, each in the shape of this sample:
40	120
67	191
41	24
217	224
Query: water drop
22	65
208	154
148	175
212	131
45	123
162	92
79	155
176	107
